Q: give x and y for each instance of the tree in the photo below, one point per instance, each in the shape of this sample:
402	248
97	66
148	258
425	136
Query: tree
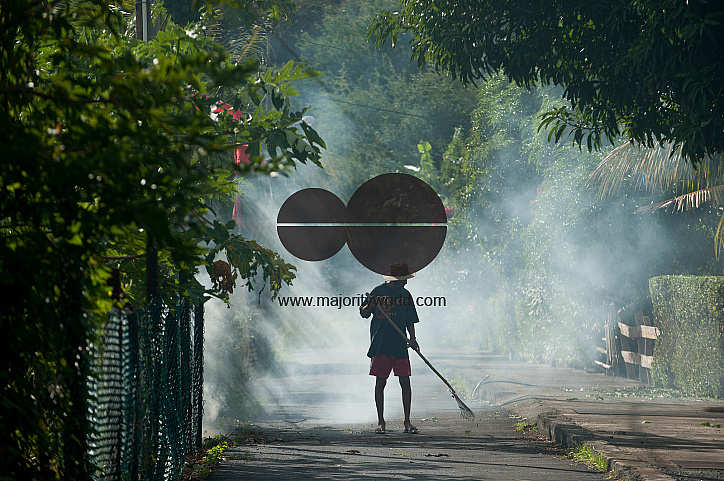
113	148
533	247
648	70
377	107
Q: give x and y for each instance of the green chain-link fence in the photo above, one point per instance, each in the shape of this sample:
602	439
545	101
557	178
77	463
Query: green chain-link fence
146	407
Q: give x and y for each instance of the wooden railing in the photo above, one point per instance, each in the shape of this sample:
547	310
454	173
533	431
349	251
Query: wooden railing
629	345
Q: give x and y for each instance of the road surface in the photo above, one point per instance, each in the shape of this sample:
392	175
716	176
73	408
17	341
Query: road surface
320	419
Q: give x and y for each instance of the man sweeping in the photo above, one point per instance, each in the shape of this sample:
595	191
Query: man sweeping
388	349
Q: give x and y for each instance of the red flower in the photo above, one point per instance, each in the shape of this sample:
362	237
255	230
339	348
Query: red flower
240	154
235	114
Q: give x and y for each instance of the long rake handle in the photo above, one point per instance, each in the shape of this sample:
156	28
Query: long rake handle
417	351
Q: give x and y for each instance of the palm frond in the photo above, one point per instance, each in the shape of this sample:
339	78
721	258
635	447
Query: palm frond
691	200
253	43
664	169
248	41
660	169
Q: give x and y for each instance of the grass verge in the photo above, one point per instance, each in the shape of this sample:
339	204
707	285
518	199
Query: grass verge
199	465
584	453
523	426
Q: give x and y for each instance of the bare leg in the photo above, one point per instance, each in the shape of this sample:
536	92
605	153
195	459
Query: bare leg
406	399
380	402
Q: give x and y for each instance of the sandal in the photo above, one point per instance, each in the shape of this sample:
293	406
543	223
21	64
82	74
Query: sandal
411	430
379	431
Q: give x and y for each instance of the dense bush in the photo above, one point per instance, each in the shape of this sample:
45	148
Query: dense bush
689	353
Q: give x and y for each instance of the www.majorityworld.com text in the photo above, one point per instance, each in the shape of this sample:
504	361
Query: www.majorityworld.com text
356	301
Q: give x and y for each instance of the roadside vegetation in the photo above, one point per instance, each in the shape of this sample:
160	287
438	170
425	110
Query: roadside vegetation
584	453
118	175
523	426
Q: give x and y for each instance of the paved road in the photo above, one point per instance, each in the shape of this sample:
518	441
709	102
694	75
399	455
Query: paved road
489	449
320	420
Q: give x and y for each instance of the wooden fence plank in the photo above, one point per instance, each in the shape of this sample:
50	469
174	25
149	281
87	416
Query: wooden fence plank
646	347
646	332
629	338
626	349
603	365
610	346
637	359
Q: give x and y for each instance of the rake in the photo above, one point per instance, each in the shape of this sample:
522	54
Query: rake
465	411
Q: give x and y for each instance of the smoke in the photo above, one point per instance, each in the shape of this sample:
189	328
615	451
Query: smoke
554	255
531	262
260	354
258	351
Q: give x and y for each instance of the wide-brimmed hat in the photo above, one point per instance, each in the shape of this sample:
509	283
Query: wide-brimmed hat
398	272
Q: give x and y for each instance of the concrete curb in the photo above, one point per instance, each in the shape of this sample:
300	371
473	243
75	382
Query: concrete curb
559	430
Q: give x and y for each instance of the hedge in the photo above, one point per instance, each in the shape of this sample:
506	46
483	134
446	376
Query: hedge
689	353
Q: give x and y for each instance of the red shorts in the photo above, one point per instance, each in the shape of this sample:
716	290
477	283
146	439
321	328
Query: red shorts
382	364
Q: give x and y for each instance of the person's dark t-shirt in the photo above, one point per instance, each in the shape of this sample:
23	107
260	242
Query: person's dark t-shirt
398	304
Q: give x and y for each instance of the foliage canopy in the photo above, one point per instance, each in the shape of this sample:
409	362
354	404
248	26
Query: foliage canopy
113	147
648	70
377	107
